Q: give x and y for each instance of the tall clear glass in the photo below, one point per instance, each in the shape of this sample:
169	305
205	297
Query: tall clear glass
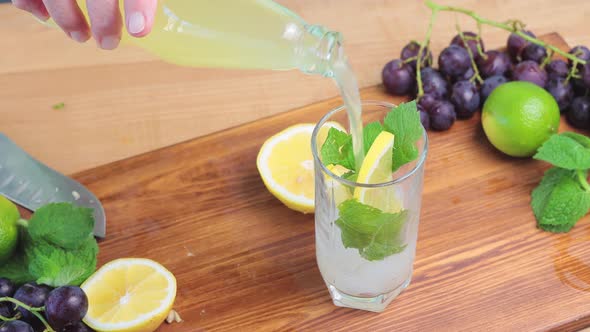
366	233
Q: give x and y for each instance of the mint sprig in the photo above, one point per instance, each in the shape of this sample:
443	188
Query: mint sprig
402	121
376	234
563	196
56	247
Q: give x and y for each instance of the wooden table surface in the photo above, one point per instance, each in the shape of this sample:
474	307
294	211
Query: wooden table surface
119	104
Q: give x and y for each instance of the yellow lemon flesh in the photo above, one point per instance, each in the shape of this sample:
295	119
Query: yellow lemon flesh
129	295
285	164
376	168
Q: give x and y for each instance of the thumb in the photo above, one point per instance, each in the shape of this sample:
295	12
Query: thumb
139	16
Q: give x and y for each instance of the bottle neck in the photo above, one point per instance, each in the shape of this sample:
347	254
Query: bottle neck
318	50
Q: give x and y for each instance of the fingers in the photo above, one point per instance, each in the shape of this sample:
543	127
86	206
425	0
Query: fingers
68	16
35	7
105	22
139	16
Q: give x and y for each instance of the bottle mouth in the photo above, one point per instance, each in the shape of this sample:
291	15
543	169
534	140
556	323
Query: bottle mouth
325	51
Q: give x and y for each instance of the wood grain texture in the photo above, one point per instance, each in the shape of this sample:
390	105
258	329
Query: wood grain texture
244	262
122	103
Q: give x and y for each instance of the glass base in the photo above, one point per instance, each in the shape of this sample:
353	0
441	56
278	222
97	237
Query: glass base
375	304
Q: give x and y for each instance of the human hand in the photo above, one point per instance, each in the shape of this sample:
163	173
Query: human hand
105	18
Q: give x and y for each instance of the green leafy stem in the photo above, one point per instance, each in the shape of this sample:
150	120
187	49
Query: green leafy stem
35	311
513	26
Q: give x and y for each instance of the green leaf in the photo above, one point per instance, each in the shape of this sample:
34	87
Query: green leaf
565	151
584	140
62	224
56	267
559	201
350	176
16	270
337	149
370	133
404	122
374	233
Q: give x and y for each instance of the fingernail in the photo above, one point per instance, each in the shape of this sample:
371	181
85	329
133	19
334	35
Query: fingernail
79	36
136	22
43	16
109	42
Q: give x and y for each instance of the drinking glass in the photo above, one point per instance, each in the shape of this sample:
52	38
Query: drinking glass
366	233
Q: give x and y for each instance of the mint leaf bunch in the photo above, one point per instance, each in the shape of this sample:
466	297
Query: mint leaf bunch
563	196
56	247
376	234
402	121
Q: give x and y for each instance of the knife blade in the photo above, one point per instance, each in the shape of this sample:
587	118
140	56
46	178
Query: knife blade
31	184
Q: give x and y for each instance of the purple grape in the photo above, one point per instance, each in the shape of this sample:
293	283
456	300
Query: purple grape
562	91
579	87
454	61
411	50
398	78
77	327
434	83
442	115
7	310
585	73
471	42
424	119
490	83
494	63
530	71
427	102
465	98
7	288
16	326
579	113
535	53
468	75
557	68
34	295
581	52
516	45
66	305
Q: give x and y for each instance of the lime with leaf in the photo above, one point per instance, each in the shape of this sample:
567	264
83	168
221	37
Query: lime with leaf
9	216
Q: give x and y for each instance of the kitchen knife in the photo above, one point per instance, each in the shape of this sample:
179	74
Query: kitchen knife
31	184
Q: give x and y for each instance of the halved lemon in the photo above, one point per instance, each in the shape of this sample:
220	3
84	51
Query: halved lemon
285	163
376	168
129	295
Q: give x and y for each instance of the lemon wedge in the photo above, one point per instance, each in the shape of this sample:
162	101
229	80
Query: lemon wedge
285	164
376	168
129	295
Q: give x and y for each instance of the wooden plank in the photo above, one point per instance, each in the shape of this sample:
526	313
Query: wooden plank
244	262
122	103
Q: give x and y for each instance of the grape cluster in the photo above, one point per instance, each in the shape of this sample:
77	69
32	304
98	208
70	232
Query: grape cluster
467	74
62	308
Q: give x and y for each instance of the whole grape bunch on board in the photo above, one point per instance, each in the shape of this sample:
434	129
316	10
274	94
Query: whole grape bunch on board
466	73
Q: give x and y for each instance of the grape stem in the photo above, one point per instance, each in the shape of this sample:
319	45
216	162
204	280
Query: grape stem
515	27
476	76
423	45
7	319
33	310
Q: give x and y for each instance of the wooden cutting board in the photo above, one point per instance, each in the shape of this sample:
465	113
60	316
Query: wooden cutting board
244	262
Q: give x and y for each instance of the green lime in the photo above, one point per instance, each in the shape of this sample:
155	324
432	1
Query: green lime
9	215
518	117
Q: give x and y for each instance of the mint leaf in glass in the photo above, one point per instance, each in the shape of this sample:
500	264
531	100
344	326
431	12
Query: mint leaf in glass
337	149
403	121
376	234
370	133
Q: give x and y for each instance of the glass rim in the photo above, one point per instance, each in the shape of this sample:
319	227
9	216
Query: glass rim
398	179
